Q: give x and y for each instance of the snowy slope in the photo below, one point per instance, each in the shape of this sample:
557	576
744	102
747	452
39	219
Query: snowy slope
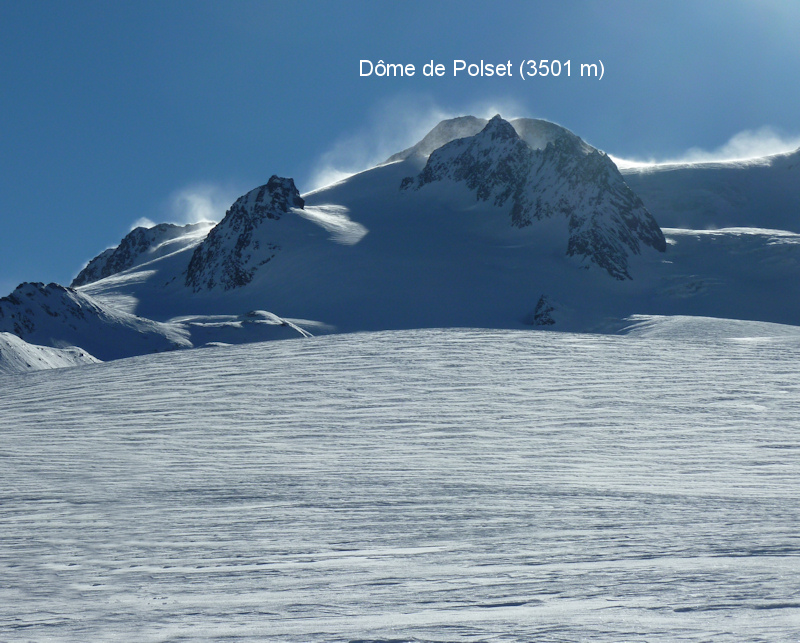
18	356
141	245
424	485
763	193
56	316
686	328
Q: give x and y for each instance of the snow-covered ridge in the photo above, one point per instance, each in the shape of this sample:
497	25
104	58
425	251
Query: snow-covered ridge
535	132
237	246
18	356
764	193
606	220
58	316
139	246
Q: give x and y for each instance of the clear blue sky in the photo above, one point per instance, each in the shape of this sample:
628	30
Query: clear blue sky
111	110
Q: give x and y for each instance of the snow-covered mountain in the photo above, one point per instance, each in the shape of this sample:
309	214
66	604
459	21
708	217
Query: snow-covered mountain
534	131
57	316
139	246
18	356
482	223
605	219
364	254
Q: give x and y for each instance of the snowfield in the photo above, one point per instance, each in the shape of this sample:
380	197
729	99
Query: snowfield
417	485
18	356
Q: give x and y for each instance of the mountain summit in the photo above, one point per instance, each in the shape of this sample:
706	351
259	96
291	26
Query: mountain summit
233	251
567	178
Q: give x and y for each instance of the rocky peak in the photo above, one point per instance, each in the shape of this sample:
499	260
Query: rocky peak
236	247
497	128
607	222
282	194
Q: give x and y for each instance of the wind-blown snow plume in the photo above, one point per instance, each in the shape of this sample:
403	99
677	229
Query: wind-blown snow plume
193	204
201	202
143	222
744	146
394	125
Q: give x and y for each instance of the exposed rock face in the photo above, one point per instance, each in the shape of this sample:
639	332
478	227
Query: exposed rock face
236	247
133	249
606	220
543	313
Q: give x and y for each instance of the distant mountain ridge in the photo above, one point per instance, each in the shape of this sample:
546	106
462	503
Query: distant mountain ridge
481	224
57	316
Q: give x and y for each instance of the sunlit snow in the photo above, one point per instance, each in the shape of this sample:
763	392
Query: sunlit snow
428	485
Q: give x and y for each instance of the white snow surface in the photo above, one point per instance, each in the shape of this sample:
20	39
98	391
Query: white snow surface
18	356
761	193
421	485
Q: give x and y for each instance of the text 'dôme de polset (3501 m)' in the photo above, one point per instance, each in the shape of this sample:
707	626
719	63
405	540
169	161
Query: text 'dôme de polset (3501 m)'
525	69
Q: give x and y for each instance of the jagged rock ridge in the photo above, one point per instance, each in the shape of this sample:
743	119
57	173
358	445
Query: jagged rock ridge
234	249
569	178
134	248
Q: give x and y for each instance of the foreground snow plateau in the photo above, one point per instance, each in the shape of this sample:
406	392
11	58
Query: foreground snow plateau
418	485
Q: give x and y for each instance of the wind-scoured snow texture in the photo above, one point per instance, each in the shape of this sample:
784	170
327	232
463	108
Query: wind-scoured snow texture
761	193
18	356
703	329
428	485
57	316
138	246
241	243
567	178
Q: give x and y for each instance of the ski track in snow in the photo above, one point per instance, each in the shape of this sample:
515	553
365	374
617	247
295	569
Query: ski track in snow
428	485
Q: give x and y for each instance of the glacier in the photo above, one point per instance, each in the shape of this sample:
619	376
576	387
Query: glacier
420	485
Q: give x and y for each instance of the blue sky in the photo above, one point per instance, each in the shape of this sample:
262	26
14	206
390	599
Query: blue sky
111	112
